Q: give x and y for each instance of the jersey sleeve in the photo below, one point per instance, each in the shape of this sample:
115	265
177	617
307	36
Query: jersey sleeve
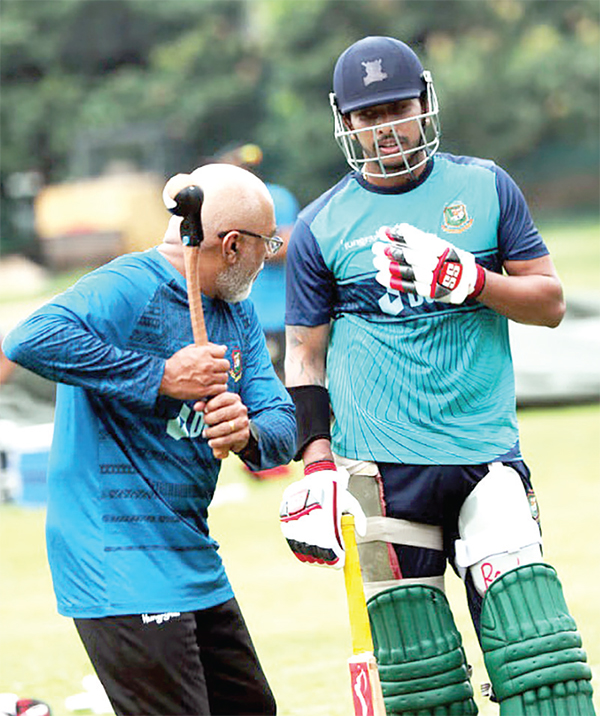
269	404
310	285
78	339
518	237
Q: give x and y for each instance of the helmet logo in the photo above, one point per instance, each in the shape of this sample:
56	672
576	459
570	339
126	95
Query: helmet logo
373	72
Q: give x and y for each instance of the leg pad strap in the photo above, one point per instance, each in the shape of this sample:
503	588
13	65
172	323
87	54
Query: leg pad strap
532	649
421	662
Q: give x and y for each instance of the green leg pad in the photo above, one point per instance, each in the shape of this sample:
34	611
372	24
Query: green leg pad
532	648
421	662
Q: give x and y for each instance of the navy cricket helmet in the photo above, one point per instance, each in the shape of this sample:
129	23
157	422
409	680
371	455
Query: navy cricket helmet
378	70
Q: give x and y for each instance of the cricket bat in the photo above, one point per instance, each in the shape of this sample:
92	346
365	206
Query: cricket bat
364	676
185	200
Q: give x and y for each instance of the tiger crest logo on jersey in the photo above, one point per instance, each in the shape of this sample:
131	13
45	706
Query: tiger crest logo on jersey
533	505
236	364
456	218
373	72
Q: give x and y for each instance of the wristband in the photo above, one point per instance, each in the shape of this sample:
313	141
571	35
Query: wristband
479	282
312	415
320	466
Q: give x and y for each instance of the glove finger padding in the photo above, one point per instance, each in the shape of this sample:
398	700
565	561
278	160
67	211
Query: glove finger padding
408	259
311	512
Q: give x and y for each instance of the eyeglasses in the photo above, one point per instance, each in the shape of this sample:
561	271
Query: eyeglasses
274	243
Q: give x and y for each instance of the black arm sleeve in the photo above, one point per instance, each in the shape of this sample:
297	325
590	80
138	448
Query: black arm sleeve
313	415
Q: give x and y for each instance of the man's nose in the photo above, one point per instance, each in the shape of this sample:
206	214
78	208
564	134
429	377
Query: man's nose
384	119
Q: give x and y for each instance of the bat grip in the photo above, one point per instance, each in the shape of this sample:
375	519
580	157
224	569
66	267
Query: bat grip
194	289
357	606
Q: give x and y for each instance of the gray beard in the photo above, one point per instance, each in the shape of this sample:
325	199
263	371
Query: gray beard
234	285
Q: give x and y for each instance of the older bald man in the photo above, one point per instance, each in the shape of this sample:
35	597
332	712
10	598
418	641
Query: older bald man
140	411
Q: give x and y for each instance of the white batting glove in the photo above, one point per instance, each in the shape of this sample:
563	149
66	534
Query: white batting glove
410	260
311	513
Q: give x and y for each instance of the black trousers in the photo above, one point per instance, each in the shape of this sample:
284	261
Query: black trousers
178	664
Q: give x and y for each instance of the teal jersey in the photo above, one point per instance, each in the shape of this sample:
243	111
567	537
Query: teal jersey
412	380
131	476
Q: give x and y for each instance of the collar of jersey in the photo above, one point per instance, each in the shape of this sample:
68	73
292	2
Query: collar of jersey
409	186
174	273
169	268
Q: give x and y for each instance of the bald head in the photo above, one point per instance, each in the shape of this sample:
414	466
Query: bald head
235	203
234	198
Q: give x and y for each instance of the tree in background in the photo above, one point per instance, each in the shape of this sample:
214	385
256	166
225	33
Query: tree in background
518	80
513	76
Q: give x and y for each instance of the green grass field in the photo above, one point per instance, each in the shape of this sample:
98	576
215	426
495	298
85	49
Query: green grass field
297	613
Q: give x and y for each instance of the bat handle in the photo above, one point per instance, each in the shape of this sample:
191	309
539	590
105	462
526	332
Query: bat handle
192	276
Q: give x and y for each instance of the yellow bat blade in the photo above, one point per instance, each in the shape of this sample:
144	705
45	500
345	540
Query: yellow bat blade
364	677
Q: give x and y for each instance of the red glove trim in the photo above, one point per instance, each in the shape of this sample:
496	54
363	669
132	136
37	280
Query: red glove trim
311	559
395	270
301	513
397	284
319	466
479	282
436	273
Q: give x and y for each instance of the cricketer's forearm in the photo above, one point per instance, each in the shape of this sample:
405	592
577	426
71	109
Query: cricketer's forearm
305	354
531	293
306	351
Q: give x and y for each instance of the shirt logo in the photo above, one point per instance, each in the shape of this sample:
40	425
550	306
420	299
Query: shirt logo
456	218
236	364
533	505
188	424
373	72
159	618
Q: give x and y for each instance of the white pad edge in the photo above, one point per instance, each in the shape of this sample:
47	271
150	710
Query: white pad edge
396	531
373	588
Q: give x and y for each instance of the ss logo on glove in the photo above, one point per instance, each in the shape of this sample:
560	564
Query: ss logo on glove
450	275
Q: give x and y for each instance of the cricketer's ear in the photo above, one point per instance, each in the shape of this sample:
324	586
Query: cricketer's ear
230	246
425	107
347	120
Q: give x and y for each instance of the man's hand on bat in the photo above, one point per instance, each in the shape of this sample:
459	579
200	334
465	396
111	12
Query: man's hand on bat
196	372
227	426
